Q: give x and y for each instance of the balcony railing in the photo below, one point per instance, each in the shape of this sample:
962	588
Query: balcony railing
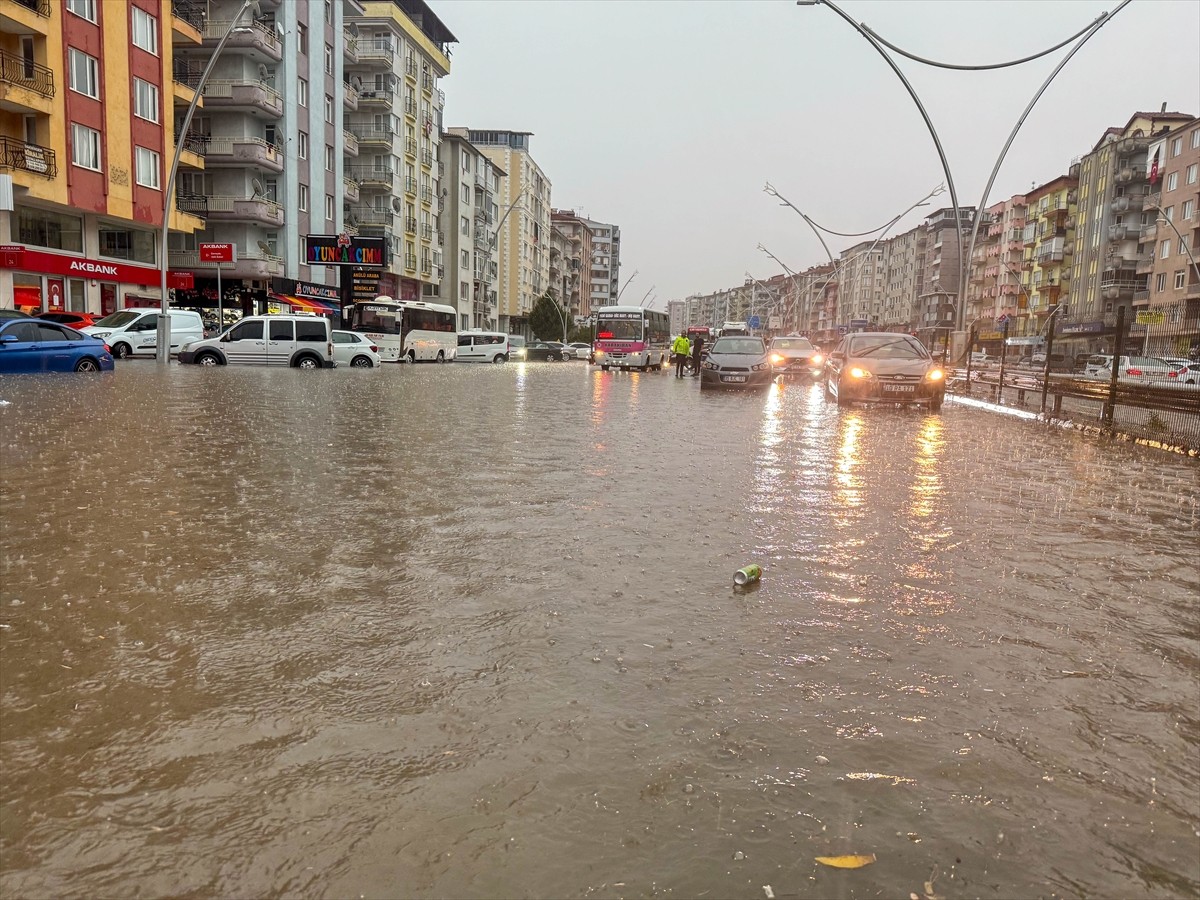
410	147
410	261
410	186
193	12
192	204
41	7
426	266
371	176
193	143
427	157
26	73
370	51
16	154
368	134
426	195
410	224
427	231
186	72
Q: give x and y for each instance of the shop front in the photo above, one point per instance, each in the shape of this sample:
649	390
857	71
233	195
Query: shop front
44	281
305	296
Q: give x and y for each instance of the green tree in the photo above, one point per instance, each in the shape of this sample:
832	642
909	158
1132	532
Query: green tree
547	318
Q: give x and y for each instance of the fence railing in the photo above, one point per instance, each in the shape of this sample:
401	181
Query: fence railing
16	154
26	73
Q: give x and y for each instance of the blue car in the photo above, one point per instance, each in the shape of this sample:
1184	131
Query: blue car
34	345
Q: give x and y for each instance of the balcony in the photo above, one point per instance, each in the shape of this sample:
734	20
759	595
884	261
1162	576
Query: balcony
410	262
1120	288
370	135
1128	203
427	232
1131	174
188	18
19	156
250	264
350	189
25	86
410	107
1125	232
1132	145
245	209
25	17
370	217
349	96
1141	298
427	158
376	55
243	96
1152	200
257	41
195	148
375	98
426	82
349	144
1145	264
410	68
410	225
249	152
372	177
410	147
349	47
191	204
1148	232
410	186
426	266
427	195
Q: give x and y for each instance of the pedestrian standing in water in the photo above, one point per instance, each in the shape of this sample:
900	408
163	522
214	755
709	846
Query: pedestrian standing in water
697	355
682	348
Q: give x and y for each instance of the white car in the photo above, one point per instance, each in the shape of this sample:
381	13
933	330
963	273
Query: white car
1129	368
1178	362
355	350
580	350
1187	378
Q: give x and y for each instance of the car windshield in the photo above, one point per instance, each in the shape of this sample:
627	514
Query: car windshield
738	345
117	319
792	344
609	328
516	340
900	347
1149	361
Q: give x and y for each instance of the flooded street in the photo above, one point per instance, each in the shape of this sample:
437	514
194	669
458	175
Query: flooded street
470	632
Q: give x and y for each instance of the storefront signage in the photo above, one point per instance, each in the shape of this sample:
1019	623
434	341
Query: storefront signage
317	291
16	256
1151	317
345	250
365	286
1081	328
211	254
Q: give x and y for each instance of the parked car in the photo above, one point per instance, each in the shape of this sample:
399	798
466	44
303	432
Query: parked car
1178	362
70	319
29	345
355	350
580	349
483	346
1188	374
884	367
6	314
736	362
134	332
1059	362
1129	368
562	349
794	356
982	358
516	346
303	342
540	350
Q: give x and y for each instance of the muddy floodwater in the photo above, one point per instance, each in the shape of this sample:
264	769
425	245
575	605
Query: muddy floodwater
454	631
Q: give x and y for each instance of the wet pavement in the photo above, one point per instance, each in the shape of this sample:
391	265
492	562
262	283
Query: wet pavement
470	631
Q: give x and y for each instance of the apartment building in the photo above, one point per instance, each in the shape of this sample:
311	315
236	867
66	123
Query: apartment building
86	129
470	215
578	254
1168	258
525	232
605	268
861	278
394	122
1049	239
903	262
995	281
941	272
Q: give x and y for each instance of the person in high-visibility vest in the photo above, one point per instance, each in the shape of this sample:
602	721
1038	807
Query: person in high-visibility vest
682	348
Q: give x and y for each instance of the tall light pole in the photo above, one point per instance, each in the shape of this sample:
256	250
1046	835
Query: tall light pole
627	280
879	43
163	335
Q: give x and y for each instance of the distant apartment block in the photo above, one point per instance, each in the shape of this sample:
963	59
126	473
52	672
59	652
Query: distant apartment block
470	214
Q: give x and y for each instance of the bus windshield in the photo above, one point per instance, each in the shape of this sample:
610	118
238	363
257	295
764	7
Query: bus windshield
376	318
610	328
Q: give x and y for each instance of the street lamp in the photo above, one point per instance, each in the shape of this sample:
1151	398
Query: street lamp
879	43
1186	245
163	335
627	280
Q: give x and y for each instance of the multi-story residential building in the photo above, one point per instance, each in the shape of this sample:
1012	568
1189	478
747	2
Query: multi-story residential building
86	130
941	273
525	232
471	253
1113	183
995	280
903	263
395	123
270	135
1172	294
1049	239
579	256
861	279
605	268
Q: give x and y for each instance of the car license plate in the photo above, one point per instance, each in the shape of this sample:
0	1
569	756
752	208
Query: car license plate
734	378
900	388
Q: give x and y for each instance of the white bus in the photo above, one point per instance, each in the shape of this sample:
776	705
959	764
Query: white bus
631	337
408	330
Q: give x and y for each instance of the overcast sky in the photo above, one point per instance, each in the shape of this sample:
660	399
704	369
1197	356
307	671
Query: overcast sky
667	117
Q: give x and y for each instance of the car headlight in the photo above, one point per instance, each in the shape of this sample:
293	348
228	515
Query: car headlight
935	375
186	346
709	365
101	334
758	367
777	358
816	359
856	372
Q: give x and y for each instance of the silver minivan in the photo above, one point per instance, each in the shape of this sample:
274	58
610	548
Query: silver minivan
302	342
134	331
483	346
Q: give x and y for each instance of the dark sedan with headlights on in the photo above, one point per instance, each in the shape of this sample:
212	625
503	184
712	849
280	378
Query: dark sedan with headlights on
795	357
884	367
736	362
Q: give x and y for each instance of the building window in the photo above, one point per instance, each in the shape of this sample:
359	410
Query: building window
145	31
1172	181
147	168
1184	245
1196	139
85	9
145	100
1169	212
1180	279
465	261
329	59
302	144
465	226
466	194
302	92
49	229
1160	283
1164	249
329	207
85	147
1176	147
125	243
303	198
1190	173
302	38
1188	206
85	78
329	109
328	157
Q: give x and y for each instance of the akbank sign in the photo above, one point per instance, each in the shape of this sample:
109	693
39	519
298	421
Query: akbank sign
345	250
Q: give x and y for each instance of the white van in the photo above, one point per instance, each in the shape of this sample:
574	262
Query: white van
483	346
302	342
134	332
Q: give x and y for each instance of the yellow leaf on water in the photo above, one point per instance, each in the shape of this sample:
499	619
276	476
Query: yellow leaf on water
846	862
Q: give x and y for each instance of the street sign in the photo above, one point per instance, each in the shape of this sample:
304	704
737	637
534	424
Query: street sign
1151	317
774	322
859	323
218	253
1002	320
753	322
842	329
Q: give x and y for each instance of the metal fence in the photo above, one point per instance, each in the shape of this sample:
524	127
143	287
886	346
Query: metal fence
1146	392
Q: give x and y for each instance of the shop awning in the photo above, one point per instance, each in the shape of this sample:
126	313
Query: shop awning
307	304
